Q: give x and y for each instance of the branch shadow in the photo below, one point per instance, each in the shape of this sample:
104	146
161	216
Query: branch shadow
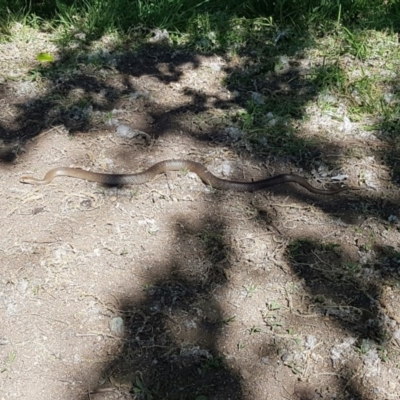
350	292
171	337
152	344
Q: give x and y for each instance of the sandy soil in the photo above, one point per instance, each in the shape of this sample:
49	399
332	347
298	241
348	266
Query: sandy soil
172	290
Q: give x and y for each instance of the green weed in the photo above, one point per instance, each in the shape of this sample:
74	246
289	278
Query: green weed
250	290
213	363
141	390
229	320
8	362
254	329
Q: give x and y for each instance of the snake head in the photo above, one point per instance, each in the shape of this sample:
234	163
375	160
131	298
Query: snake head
25	179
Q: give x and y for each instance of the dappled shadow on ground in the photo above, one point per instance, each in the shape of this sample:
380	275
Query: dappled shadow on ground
171	339
344	289
352	294
171	346
99	82
155	330
84	89
157	353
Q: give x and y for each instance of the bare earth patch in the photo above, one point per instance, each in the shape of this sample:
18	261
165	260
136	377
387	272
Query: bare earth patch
172	290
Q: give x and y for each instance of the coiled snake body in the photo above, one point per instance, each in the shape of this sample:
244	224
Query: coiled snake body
175	165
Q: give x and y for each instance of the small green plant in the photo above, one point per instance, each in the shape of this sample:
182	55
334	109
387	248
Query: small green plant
141	390
123	252
290	331
254	329
7	364
228	320
330	247
36	290
133	194
296	369
364	346
240	346
383	353
147	286
250	290
352	267
213	363
11	357
274	306
271	317
35	75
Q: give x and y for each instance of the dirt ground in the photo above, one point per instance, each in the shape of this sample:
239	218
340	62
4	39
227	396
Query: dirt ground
172	290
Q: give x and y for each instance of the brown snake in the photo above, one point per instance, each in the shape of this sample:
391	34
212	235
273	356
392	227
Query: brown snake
175	165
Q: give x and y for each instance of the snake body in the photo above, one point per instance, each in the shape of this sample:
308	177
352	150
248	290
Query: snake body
175	165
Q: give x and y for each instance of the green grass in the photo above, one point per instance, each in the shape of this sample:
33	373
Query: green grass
98	16
351	45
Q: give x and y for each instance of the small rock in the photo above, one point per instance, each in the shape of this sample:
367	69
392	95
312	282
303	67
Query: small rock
346	126
127	132
257	98
245	374
160	36
117	326
310	342
339	177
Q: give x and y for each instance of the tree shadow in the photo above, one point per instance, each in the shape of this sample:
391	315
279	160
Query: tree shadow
171	338
349	292
152	344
